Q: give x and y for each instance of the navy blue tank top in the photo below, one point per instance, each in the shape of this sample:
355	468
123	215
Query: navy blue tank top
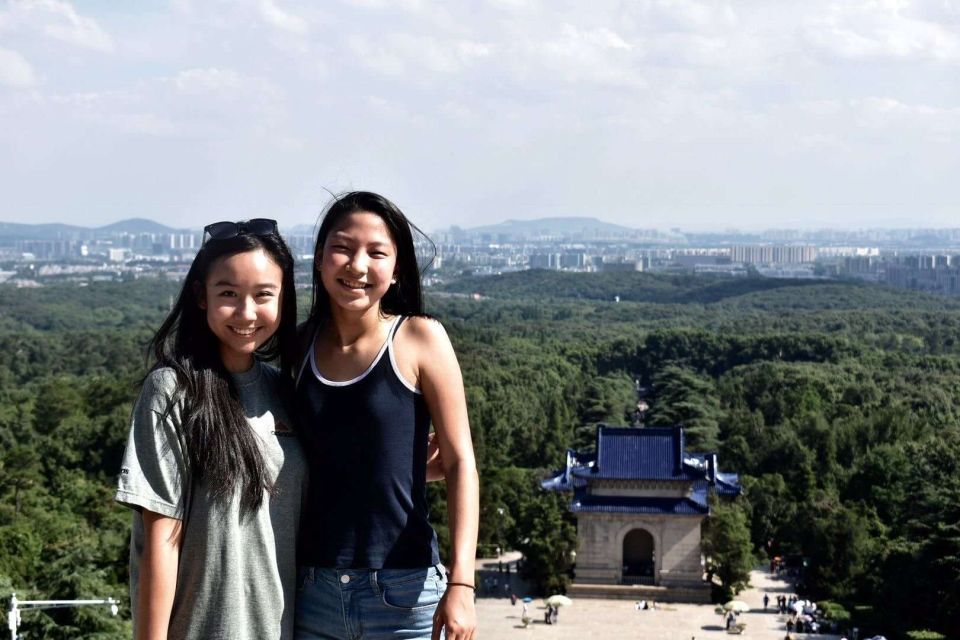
366	443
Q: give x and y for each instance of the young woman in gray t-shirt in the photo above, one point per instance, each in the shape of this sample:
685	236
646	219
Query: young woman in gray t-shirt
212	467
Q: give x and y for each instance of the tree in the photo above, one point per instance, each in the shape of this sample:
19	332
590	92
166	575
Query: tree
549	537
838	404
770	504
20	470
726	543
57	398
536	522
840	544
682	398
611	398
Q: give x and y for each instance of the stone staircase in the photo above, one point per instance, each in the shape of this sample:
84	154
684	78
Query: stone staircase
635	592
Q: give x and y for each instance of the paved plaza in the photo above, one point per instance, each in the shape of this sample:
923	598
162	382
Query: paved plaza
605	619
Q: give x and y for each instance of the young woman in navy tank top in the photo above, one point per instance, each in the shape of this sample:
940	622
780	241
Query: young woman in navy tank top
376	373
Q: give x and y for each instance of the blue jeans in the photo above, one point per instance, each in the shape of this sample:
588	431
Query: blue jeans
367	604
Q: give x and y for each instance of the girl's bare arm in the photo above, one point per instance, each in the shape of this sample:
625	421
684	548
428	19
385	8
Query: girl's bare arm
442	386
158	575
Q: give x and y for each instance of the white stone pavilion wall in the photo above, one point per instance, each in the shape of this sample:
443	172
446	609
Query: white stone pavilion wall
676	542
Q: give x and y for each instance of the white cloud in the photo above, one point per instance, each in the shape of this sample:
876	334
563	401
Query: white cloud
182	6
194	103
657	103
828	142
405	5
687	15
208	80
572	55
60	21
400	54
881	30
376	56
15	71
149	124
600	37
885	114
514	5
281	19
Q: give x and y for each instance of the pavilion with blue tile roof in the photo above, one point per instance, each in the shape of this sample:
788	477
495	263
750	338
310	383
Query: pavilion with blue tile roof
640	499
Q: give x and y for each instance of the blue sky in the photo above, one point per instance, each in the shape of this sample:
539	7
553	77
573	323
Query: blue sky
660	113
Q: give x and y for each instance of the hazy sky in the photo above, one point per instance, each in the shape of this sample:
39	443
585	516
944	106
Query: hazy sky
660	113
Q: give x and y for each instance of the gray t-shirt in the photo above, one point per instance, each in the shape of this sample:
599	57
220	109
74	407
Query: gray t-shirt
236	579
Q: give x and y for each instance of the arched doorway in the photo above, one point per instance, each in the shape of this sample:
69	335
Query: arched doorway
638	558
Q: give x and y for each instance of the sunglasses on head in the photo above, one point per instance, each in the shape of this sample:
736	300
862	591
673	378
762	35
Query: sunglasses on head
226	230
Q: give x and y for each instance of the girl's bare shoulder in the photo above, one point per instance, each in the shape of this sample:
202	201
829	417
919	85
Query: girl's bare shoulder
424	331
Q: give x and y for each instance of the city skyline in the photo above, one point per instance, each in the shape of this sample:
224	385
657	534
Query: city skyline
659	114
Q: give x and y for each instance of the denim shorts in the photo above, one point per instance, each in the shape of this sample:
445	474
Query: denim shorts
367	604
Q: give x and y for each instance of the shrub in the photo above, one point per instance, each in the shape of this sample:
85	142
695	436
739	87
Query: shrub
924	634
834	611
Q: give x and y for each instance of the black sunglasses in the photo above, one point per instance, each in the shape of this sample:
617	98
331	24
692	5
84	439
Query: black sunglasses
226	230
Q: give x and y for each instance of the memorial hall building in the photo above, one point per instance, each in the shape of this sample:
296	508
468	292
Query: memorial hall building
640	499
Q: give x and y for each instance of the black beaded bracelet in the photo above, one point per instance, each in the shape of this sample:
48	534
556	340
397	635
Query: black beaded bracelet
461	584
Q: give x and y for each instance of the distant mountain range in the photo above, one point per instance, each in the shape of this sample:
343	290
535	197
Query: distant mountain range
37	231
56	231
573	226
567	227
139	225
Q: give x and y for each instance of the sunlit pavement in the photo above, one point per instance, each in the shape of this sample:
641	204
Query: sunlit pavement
608	619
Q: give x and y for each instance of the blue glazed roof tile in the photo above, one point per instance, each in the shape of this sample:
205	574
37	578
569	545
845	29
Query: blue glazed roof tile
649	453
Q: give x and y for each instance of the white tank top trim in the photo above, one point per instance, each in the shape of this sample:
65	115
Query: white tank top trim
387	346
366	372
396	369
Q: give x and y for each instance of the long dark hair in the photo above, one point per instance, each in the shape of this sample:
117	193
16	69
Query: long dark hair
403	298
221	447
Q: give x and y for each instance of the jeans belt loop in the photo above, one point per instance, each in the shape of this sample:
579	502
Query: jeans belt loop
375	582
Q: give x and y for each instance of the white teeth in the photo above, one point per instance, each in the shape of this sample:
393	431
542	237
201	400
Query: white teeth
243	332
352	284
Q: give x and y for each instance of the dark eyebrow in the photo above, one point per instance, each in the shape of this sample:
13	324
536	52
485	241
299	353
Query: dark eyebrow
347	237
263	285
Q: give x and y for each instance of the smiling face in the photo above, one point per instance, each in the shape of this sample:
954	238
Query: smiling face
358	262
241	296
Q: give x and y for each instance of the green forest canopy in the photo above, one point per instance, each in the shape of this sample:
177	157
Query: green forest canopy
838	403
